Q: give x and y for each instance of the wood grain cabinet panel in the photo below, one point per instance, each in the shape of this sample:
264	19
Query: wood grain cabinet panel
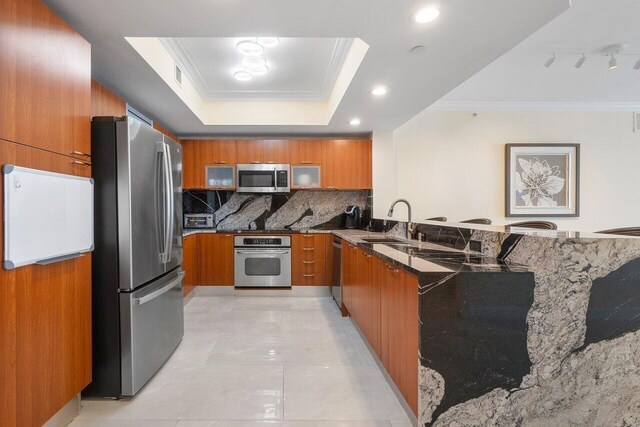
306	151
346	164
250	151
106	103
276	151
45	90
198	154
215	259
190	263
45	320
308	259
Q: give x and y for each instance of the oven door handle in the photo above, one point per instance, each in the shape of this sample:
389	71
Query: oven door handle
262	252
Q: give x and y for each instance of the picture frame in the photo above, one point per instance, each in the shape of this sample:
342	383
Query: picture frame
542	180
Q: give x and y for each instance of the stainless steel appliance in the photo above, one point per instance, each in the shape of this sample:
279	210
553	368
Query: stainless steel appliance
336	285
263	178
136	273
262	261
198	220
352	217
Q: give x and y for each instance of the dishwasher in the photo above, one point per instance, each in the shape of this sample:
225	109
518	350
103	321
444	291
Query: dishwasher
336	284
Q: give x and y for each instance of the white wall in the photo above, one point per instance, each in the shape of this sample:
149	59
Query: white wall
450	163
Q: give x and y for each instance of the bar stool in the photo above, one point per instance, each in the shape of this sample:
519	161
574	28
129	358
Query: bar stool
543	225
483	221
626	231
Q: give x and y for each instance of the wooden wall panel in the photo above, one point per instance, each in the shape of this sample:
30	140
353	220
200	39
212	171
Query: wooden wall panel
106	103
215	259
45	319
46	79
190	263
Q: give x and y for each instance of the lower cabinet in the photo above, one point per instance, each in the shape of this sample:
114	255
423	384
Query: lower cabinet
383	301
311	259
215	259
190	263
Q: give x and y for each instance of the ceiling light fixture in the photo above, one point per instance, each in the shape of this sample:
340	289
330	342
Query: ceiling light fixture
550	61
354	122
258	70
254	61
581	61
243	76
613	63
426	14
248	47
379	91
637	65
268	41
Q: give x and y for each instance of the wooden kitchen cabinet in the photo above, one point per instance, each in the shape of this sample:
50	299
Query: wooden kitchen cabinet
45	89
276	151
198	154
250	151
306	151
190	260
45	319
215	259
309	258
346	164
272	151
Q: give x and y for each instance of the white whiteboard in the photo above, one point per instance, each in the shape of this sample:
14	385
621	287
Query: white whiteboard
48	216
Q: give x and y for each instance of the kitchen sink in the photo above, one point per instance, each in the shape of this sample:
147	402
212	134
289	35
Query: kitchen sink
382	240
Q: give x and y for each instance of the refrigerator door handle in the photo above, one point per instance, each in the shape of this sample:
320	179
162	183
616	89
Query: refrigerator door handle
155	294
170	203
167	204
161	201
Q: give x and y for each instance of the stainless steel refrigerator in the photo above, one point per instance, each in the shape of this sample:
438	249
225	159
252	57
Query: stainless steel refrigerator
137	275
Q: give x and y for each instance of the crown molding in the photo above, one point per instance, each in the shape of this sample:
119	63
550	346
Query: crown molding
535	106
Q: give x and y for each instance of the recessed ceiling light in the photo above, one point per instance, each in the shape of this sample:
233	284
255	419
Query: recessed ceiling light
268	41
379	91
254	61
258	71
247	47
355	121
426	14
243	76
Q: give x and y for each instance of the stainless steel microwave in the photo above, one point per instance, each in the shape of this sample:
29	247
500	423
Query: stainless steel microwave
263	178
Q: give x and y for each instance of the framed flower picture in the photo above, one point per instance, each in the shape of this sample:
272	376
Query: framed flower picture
542	180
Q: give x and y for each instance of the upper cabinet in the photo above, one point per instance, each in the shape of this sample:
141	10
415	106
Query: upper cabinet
198	154
343	164
306	151
272	151
346	164
46	78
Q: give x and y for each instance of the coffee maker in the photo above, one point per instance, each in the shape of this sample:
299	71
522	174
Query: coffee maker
352	217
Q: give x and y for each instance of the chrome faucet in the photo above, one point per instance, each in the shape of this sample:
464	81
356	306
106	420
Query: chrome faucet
409	224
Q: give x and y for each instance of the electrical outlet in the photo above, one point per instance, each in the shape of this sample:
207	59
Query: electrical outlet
475	245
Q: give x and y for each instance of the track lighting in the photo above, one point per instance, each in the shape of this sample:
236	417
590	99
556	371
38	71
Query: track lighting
550	61
581	61
613	63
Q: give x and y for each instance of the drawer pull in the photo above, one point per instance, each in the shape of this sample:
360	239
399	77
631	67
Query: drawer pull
308	262
80	153
79	162
271	162
307	236
308	249
255	162
308	275
305	162
221	162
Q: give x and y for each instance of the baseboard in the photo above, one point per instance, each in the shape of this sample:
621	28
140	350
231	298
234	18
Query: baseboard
230	291
188	297
66	414
386	375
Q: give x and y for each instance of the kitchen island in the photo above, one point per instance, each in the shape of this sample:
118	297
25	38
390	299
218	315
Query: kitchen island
530	329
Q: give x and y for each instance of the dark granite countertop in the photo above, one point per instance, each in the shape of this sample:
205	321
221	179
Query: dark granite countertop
422	258
188	232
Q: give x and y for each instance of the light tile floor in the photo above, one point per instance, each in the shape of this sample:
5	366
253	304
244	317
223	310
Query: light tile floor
251	361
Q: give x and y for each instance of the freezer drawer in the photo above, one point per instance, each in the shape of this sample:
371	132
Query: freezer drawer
152	325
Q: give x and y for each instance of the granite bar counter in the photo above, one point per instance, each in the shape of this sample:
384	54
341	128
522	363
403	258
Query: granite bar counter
536	328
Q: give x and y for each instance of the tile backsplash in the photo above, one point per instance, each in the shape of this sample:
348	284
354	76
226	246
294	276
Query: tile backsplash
298	210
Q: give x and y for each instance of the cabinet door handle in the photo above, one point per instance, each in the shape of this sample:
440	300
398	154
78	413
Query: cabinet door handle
307	236
80	153
368	256
308	249
271	162
254	162
308	275
78	162
305	162
221	162
308	262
